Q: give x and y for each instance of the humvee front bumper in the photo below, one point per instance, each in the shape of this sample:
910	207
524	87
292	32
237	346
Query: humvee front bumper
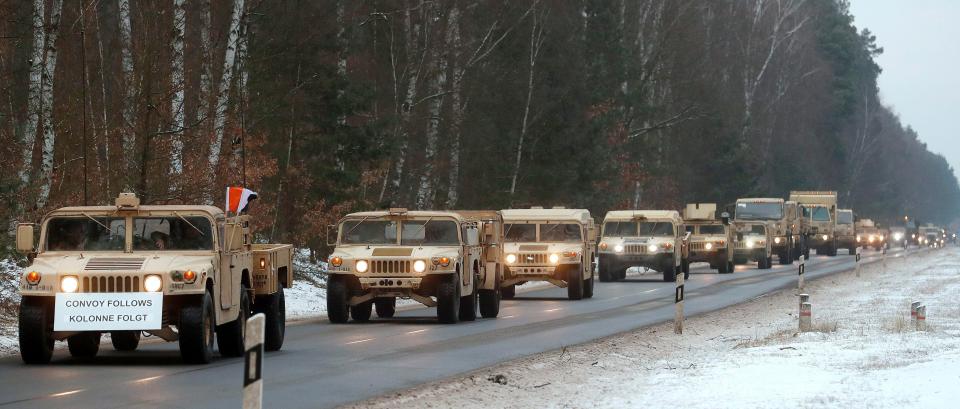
617	261
708	256
745	255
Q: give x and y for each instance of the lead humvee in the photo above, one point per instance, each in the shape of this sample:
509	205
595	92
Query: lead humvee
555	245
132	268
654	239
443	259
710	239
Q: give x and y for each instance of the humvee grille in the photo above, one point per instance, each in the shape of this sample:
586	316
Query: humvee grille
698	245
390	267
635	249
531	259
109	263
110	284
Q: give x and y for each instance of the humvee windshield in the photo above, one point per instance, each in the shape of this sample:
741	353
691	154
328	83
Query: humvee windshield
759	211
369	232
620	229
845	218
86	234
567	233
431	232
519	233
172	233
656	229
711	229
820	213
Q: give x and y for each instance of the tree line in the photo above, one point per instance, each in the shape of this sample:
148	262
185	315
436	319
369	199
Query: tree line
326	107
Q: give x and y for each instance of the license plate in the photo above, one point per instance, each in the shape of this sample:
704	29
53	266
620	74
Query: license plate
108	311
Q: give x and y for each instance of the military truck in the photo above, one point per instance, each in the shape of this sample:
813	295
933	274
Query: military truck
443	259
710	239
930	236
654	239
555	245
869	235
799	228
753	242
772	212
185	273
846	230
820	210
898	236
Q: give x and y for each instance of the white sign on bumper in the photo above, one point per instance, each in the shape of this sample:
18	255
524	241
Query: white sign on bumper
108	311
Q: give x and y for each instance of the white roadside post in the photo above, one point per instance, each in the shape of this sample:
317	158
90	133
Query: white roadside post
806	316
800	270
678	301
883	257
253	363
857	261
913	312
922	318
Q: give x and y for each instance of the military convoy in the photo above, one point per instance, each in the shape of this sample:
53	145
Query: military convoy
654	239
555	245
444	259
711	240
185	273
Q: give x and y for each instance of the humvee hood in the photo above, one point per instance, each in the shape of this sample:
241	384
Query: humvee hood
122	263
178	262
359	252
541	247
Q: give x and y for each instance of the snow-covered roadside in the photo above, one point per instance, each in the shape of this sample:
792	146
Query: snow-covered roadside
9	300
864	354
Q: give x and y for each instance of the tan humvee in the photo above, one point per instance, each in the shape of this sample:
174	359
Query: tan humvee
443	259
127	269
820	210
847	237
775	214
930	236
753	242
555	245
710	239
870	235
654	239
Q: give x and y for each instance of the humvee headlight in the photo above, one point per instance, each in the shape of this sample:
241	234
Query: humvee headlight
776	240
897	236
652	248
189	276
750	244
419	266
69	284
603	246
554	258
825	237
152	283
858	239
362	266
336	261
511	258
33	278
708	246
618	248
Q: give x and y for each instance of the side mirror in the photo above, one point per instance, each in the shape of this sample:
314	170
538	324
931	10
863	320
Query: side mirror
592	234
25	238
725	218
473	236
331	235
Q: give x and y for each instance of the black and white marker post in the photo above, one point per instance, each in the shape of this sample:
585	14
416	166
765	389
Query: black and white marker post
800	270
678	301
253	363
857	267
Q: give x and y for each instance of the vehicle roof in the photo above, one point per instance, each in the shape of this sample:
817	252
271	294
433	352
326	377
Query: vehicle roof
211	210
760	200
845	210
409	213
576	215
671	215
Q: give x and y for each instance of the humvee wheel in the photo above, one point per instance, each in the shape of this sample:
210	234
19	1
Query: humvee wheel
468	305
575	283
448	299
196	328
669	273
725	268
765	263
230	335
623	274
125	340
786	257
490	300
588	287
274	309
338	299
685	266
508	292
361	312
36	333
84	344
386	307
606	275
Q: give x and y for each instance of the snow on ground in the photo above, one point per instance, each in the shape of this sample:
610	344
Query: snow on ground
9	300
863	354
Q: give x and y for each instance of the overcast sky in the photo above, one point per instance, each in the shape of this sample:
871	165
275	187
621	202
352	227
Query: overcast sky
921	65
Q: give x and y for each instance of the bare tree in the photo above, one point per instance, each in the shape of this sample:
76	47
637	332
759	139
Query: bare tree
176	103
536	43
226	80
34	99
46	107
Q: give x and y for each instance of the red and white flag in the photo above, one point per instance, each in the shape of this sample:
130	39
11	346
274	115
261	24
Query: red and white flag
238	198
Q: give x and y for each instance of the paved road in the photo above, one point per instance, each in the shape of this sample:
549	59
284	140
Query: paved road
324	365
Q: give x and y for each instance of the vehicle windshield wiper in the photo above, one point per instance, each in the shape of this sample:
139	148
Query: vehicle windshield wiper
190	224
424	228
96	221
552	228
357	225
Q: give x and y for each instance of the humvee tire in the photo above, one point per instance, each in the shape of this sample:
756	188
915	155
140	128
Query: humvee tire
196	328
386	307
765	263
622	274
606	275
468	305
125	340
574	282
832	250
338	300
669	273
490	302
725	268
36	333
588	287
230	335
361	312
448	299
84	344
685	267
274	309
507	293
785	257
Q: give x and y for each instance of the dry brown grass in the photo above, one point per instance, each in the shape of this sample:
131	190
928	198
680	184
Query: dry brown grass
897	325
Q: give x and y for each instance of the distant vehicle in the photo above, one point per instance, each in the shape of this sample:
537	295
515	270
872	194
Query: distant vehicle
443	259
898	236
820	209
710	239
554	245
642	238
846	230
753	242
799	228
931	236
127	269
869	235
772	212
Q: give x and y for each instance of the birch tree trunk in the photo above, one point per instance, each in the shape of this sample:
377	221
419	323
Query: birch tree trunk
103	148
203	97
458	107
49	133
425	191
226	80
33	98
343	49
129	103
176	103
404	110
536	41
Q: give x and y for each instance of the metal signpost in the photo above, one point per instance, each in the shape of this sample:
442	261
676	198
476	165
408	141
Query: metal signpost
253	363
678	301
